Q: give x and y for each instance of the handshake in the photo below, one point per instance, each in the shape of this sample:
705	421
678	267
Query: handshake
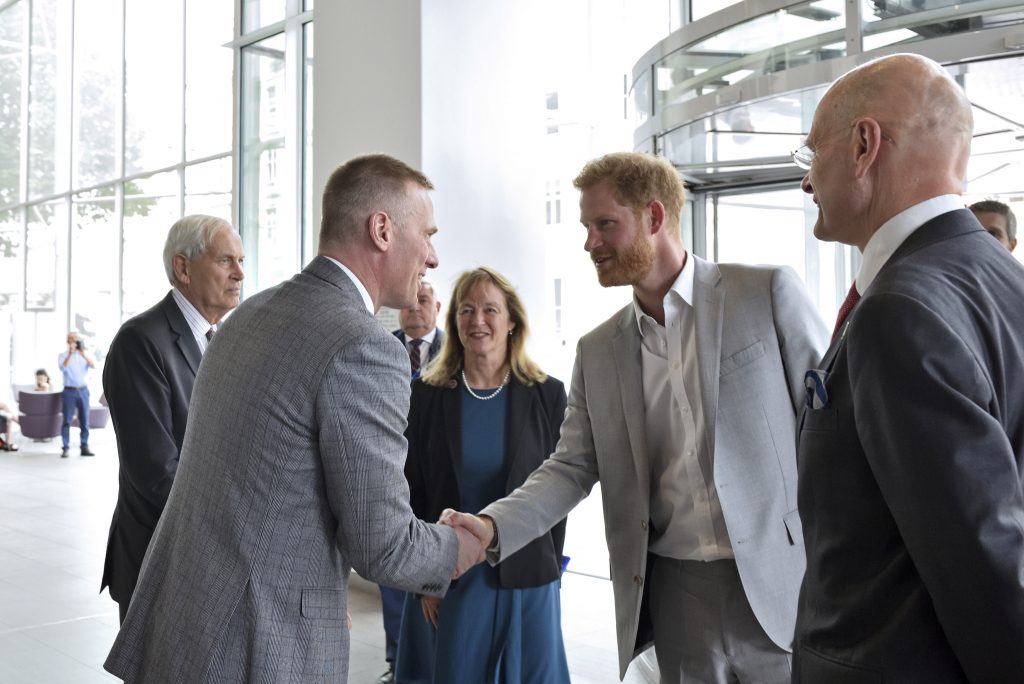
476	535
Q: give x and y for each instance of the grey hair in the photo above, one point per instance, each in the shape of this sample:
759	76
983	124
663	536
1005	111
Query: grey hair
433	288
188	237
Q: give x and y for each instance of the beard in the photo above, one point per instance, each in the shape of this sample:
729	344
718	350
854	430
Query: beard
630	265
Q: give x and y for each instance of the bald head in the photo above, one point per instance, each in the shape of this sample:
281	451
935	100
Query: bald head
916	98
894	132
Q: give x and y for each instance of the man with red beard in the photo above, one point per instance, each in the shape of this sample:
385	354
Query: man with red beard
683	406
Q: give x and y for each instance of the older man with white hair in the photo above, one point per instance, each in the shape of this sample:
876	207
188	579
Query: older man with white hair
148	380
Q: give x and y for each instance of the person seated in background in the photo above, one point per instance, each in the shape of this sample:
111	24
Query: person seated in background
42	381
8	417
998	220
482	417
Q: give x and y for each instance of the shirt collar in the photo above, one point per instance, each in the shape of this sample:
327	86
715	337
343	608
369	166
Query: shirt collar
680	293
893	232
197	323
355	281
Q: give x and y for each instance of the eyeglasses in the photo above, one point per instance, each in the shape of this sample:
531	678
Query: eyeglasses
803	156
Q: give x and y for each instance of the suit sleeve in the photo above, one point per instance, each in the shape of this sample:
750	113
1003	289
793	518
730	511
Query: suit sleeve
138	393
561	482
362	408
801	333
924	406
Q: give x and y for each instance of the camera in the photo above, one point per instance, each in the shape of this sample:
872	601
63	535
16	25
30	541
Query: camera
79	345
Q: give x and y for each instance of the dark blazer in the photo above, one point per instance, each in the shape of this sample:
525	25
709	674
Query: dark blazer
435	346
433	466
147	380
910	475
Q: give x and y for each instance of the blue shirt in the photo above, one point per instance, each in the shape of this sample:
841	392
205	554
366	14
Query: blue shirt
76	373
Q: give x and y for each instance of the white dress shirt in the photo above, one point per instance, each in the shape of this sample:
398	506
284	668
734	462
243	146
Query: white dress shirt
891	234
686	515
196	322
363	292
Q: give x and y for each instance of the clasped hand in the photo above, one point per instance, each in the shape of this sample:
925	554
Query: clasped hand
475	537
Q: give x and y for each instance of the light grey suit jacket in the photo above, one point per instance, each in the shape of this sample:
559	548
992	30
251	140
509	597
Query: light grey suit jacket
756	332
290	475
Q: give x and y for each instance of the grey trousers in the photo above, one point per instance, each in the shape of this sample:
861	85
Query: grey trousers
704	629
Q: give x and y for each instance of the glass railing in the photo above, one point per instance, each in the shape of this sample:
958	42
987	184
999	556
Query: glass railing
736	90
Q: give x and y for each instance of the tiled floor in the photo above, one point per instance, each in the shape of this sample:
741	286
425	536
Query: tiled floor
56	627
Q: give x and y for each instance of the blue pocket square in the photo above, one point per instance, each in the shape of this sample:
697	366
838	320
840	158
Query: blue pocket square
814	383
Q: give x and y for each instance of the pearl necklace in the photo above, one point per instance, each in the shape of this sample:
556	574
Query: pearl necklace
493	394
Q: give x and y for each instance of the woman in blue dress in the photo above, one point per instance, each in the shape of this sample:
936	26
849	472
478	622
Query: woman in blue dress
482	417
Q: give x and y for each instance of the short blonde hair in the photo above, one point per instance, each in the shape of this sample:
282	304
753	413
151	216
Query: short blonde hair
637	179
448	363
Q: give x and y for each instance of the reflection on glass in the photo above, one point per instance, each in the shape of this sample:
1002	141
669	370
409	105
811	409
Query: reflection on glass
44	224
259	13
307	147
150	207
639	104
208	188
94	292
12	39
208	66
49	96
11	241
267	167
97	79
758	134
814	31
153	85
775	227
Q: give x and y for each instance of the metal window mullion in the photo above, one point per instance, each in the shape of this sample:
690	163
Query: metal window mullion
294	52
236	111
121	126
183	155
854	29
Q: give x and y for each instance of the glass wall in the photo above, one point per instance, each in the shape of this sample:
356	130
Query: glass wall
114	120
275	138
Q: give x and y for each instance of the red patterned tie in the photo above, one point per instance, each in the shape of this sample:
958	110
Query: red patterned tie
852	297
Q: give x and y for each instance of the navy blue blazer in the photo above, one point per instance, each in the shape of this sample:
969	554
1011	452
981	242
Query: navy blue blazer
910	476
147	380
433	466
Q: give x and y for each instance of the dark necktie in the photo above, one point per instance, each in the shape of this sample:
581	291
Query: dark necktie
209	335
852	297
414	356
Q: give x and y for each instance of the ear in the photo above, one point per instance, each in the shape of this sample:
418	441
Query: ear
180	265
868	141
1013	245
437	305
657	210
381	230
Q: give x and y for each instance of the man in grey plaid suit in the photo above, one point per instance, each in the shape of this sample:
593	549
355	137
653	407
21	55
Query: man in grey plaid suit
291	469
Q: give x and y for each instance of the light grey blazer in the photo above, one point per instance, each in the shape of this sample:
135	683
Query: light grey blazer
290	475
757	331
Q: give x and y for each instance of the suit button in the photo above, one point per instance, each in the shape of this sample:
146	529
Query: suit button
643	524
638	580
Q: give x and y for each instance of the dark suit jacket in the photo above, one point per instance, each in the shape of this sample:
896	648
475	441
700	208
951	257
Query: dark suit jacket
435	346
433	467
147	380
910	478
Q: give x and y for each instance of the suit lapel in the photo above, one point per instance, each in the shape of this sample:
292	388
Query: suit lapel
709	304
185	341
519	400
451	409
628	366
